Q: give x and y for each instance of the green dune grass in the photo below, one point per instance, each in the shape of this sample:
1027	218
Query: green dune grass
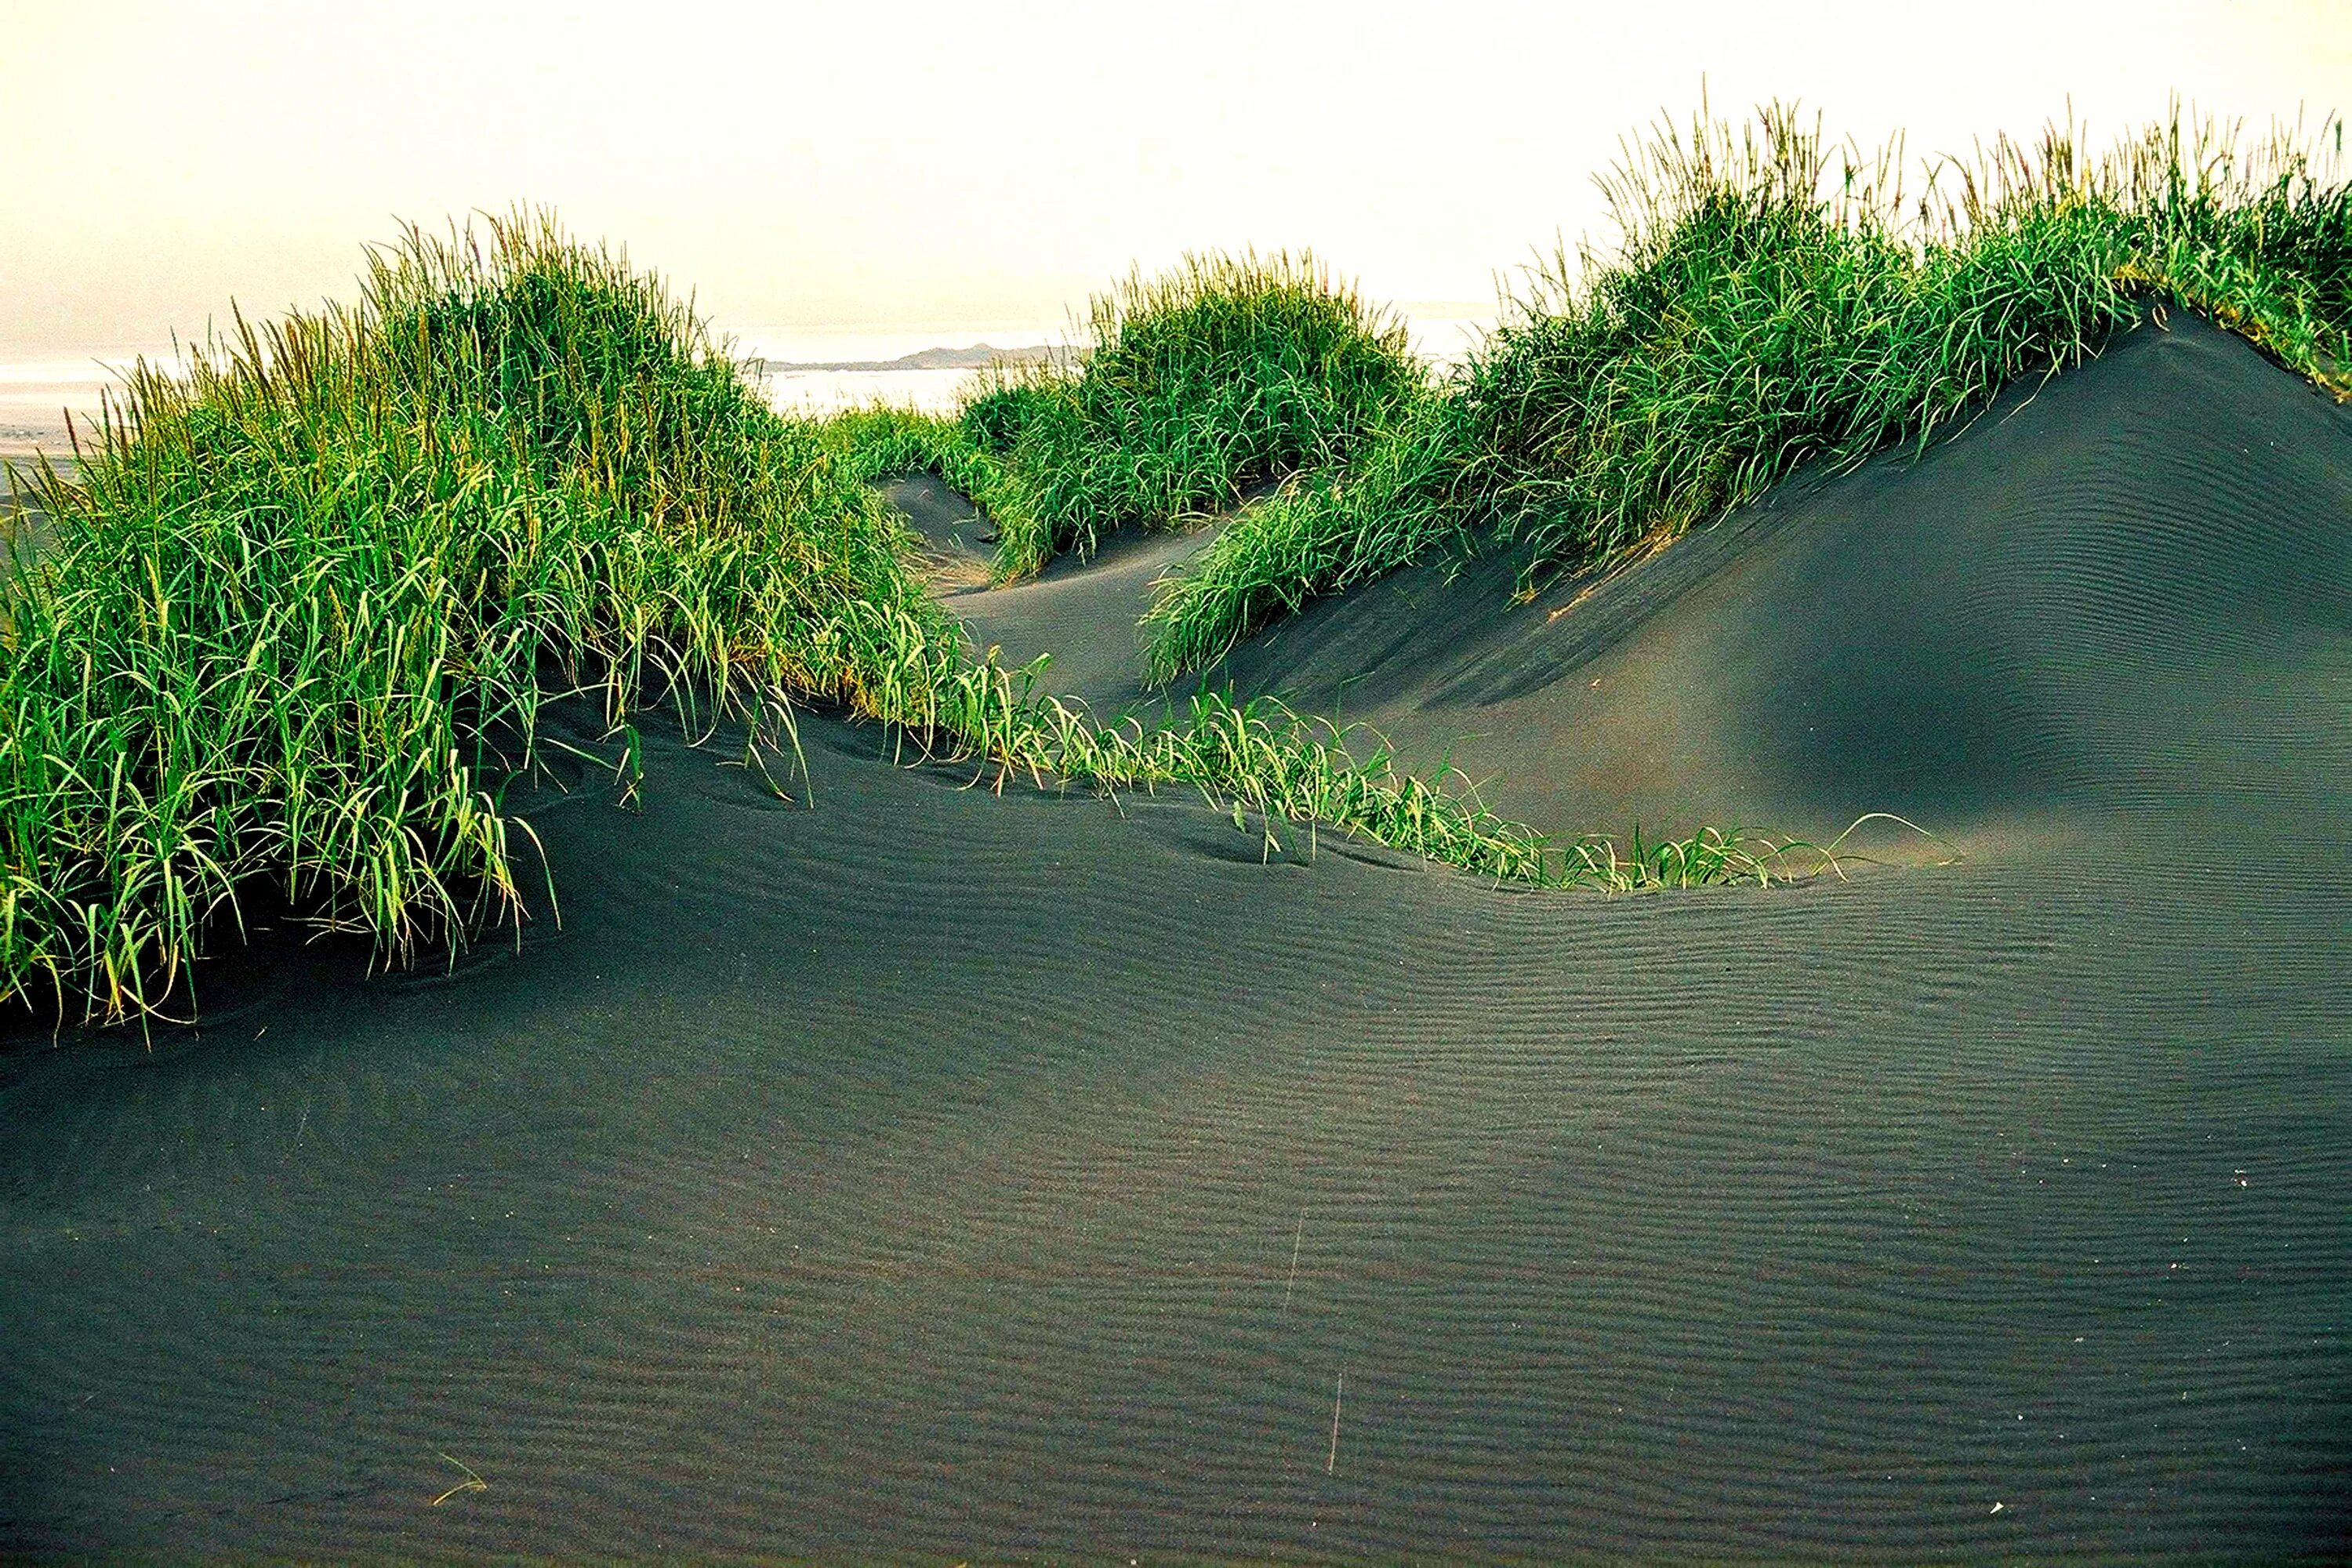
299	612
1189	389
1774	302
295	616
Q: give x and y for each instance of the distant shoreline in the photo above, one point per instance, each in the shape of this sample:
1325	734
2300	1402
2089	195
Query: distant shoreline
980	356
23	439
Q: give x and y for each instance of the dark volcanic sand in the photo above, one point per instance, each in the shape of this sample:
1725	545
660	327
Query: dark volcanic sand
925	1172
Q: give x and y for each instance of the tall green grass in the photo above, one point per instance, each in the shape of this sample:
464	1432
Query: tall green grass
300	610
883	440
1774	300
1322	532
1191	387
301	606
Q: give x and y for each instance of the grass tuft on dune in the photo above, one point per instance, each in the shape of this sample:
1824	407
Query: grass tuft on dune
302	607
1773	302
1191	387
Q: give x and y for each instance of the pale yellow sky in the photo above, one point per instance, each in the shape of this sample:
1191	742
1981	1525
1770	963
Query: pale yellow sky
911	166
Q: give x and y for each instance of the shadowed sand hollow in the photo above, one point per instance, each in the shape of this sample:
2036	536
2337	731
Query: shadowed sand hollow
943	1170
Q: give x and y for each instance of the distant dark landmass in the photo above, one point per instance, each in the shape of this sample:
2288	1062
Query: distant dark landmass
977	357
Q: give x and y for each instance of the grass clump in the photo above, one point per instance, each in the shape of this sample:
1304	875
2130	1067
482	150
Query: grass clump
300	607
1321	532
1194	386
883	440
1767	309
1774	302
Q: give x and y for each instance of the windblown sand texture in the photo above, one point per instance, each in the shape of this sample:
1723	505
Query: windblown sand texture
938	1170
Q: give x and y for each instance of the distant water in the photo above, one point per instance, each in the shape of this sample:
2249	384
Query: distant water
825	391
39	387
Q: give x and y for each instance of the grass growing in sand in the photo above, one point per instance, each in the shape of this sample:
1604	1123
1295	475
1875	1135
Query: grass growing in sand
301	609
1193	386
1774	302
296	616
1261	760
298	613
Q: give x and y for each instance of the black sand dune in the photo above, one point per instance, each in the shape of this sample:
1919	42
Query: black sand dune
937	1172
2118	592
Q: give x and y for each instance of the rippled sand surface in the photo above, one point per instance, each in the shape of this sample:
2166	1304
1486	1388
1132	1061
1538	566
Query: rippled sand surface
939	1170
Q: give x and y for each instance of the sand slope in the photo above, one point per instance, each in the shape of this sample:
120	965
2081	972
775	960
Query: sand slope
943	1171
2125	588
